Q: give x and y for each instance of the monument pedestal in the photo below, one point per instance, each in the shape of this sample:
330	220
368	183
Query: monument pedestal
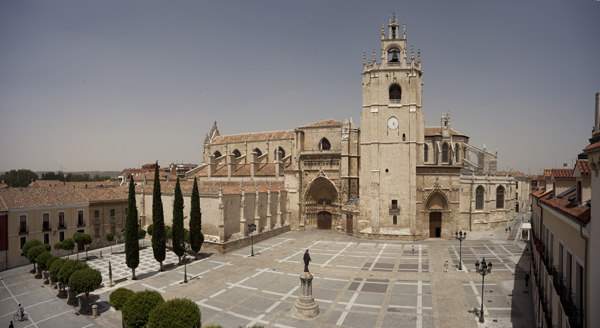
305	306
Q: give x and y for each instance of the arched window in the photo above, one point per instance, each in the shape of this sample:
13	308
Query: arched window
500	197
393	55
426	153
256	150
395	92
457	150
324	144
217	154
282	152
479	198
237	153
395	220
445	153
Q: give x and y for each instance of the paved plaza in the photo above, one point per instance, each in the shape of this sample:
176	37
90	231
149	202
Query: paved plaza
357	283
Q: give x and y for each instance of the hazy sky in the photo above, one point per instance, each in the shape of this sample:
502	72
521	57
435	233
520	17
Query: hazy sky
107	85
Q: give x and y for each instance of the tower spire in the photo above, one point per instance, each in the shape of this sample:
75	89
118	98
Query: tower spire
382	32
404	32
419	57
412	53
374	57
364	58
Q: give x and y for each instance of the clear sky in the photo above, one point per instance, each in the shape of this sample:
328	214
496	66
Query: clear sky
107	85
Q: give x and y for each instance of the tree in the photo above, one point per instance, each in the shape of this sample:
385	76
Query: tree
82	238
48	247
29	245
110	237
85	281
58	247
196	236
55	268
137	309
68	245
178	234
49	261
132	247
118	298
20	178
42	260
150	227
159	248
141	233
175	313
68	268
34	252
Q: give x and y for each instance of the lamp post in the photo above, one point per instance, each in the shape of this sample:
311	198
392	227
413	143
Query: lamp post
184	246
251	229
460	236
485	269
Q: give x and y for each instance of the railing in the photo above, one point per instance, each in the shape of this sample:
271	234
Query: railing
576	317
394	63
46	226
62	226
557	277
81	223
23	230
548	264
575	314
394	207
97	221
395	101
113	219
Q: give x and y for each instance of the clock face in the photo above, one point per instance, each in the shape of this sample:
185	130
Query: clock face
393	123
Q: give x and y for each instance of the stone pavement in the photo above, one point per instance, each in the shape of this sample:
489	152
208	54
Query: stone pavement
357	283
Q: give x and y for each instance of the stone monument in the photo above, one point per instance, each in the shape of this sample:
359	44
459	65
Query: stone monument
305	306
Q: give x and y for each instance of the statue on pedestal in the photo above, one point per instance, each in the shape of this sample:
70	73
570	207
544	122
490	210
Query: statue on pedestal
306	260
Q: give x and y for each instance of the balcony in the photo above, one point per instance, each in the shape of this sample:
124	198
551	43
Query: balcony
113	219
23	230
46	226
394	209
81	223
62	226
548	261
97	221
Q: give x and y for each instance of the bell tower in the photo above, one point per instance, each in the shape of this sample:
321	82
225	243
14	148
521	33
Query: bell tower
392	133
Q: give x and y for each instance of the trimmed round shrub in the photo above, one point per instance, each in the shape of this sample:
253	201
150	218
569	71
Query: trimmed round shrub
119	297
175	313
42	260
55	268
58	246
137	309
85	281
68	268
68	244
48	247
29	245
141	233
110	237
150	229
34	252
50	261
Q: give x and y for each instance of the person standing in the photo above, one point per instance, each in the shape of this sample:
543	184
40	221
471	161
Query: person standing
413	249
446	266
506	229
527	280
11	325
306	260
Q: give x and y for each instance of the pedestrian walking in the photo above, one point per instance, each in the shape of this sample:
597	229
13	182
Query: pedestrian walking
446	266
527	280
413	248
11	325
506	229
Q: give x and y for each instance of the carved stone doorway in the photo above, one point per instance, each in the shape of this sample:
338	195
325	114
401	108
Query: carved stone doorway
435	224
324	220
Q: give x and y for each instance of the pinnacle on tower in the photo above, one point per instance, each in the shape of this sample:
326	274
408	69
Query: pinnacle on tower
404	32
382	32
412	53
419	57
364	58
374	57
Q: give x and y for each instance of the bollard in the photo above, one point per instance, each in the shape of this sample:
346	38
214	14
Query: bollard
94	311
100	253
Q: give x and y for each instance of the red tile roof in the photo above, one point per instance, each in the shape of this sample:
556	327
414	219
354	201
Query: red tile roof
38	197
257	136
241	170
76	184
583	166
212	187
581	213
431	131
562	173
104	194
593	146
537	178
150	176
325	123
516	174
547	173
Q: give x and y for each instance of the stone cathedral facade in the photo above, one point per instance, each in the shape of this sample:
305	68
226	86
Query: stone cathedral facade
392	177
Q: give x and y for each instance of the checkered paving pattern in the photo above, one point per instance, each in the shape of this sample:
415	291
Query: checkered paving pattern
500	255
495	299
264	246
256	298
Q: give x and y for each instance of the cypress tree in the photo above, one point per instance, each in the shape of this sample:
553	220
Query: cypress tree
196	236
178	233
158	222
132	247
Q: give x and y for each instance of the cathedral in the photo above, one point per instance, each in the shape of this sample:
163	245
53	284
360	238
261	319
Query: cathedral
391	178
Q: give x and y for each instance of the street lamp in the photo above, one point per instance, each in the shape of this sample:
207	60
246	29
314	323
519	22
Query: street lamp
184	246
251	229
461	236
485	269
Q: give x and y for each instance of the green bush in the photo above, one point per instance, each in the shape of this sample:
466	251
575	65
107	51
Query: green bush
137	309
48	247
141	233
68	244
42	260
150	228
110	237
213	327
29	245
119	297
50	261
175	313
85	281
55	268
34	252
168	232
58	246
69	268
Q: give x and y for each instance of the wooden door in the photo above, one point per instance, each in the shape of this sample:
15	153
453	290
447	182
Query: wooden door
324	220
435	224
349	229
